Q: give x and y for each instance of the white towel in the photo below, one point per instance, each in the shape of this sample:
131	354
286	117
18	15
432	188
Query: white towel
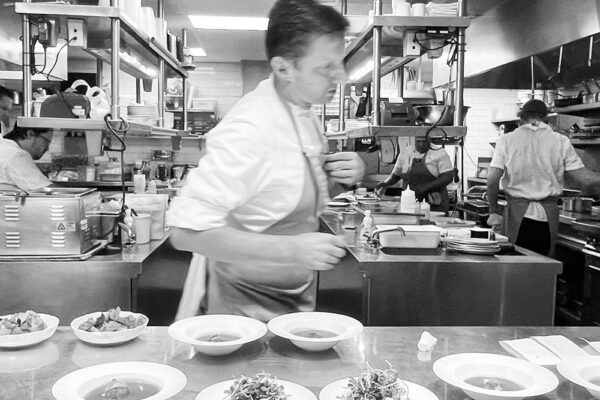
193	289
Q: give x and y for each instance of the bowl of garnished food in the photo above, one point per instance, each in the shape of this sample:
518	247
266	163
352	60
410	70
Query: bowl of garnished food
111	327
26	328
262	386
315	331
376	384
121	381
484	376
217	335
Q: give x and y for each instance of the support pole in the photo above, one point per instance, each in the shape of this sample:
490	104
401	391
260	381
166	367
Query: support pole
377	35
459	118
115	63
27	87
184	116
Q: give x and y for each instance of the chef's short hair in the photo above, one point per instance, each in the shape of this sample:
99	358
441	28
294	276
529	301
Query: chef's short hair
293	24
20	133
534	109
4	92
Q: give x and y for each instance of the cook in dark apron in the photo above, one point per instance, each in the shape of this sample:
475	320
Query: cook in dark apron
514	213
419	174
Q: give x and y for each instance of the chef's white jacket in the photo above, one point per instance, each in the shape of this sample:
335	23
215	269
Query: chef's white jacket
17	168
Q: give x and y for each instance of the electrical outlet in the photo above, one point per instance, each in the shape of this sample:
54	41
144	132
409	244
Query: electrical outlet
410	47
77	33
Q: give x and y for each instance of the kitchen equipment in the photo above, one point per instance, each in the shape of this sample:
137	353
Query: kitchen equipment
397	114
162	172
569	101
162	154
577	204
408	236
56	221
438	115
62	106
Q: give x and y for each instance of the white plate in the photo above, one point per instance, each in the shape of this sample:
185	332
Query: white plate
78	384
533	380
287	326
337	204
217	391
29	339
335	389
188	330
107	338
581	371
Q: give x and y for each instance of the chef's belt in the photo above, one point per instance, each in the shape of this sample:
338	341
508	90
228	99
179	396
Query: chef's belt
515	210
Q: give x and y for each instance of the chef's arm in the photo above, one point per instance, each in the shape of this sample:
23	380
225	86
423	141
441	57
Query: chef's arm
439	183
493	188
586	178
318	251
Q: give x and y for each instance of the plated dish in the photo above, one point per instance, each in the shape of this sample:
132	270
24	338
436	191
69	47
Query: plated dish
315	331
484	376
263	386
111	327
583	371
26	329
217	334
121	381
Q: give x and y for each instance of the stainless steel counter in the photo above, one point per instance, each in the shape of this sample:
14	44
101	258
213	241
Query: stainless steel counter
443	289
29	374
71	289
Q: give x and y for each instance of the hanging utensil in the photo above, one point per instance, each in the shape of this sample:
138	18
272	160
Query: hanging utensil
589	63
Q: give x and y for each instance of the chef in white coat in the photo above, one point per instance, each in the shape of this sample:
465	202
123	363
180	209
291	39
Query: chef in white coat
18	151
252	205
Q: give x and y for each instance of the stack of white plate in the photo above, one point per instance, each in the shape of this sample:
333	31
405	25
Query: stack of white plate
442	10
472	246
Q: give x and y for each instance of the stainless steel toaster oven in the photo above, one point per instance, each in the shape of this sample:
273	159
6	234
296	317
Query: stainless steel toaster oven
52	221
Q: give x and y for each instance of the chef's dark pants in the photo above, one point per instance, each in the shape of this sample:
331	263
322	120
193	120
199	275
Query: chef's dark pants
534	235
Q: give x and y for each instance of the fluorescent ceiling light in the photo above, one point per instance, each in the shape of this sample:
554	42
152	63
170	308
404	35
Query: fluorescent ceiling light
229	23
196	52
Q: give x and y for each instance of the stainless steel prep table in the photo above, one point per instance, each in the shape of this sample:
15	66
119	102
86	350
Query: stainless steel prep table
30	373
69	289
444	289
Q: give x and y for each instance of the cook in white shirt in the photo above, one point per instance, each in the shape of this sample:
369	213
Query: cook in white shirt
18	150
532	162
252	205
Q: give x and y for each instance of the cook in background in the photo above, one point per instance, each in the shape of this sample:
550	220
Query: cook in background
18	150
427	172
252	205
532	162
6	105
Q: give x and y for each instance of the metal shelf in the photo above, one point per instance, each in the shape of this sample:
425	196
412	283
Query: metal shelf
578	109
75	124
137	70
99	30
585	142
405	131
394	28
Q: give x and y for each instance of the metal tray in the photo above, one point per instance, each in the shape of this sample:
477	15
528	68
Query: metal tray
63	257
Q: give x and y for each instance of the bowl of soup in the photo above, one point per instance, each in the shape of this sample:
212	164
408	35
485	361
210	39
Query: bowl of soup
217	335
315	331
484	376
583	371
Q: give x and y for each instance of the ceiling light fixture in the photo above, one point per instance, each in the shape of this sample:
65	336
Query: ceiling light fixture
196	52
229	23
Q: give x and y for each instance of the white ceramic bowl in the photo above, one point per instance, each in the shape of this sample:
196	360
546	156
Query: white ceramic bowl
315	331
78	384
29	339
584	371
107	338
520	378
197	330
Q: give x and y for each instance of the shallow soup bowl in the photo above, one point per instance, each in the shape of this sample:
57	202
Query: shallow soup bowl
217	335
584	371
315	331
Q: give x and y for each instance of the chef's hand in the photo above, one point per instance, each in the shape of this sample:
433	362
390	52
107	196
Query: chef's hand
380	189
495	221
345	167
318	251
420	191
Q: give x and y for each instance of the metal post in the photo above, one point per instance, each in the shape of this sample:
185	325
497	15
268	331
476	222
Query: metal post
377	10
99	72
184	116
341	86
459	119
531	58
115	63
27	91
161	74
323	118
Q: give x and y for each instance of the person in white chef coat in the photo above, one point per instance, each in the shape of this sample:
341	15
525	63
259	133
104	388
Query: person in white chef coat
532	162
427	171
18	151
251	207
6	106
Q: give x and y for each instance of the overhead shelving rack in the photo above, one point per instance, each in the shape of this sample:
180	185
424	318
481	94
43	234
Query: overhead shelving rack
109	30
